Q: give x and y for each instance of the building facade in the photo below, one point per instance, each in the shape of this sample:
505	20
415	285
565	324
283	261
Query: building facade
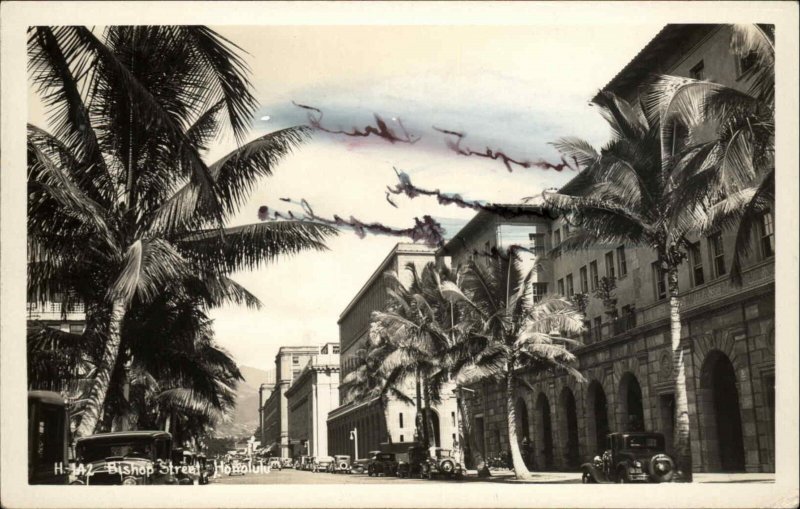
374	424
727	331
289	362
312	395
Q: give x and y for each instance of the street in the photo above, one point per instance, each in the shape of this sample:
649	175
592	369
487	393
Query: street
291	476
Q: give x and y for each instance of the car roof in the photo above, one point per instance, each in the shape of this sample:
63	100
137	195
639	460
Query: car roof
125	434
49	397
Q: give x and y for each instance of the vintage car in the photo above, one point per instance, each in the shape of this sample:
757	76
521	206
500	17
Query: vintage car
359	466
340	465
382	463
441	463
410	463
287	462
125	458
301	462
48	438
236	465
275	463
631	457
323	463
190	467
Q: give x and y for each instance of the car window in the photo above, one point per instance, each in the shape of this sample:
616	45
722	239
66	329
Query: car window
386	457
645	442
127	449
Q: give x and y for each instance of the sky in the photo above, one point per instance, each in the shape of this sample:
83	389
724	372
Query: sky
508	88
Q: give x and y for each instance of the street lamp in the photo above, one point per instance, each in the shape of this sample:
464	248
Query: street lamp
354	438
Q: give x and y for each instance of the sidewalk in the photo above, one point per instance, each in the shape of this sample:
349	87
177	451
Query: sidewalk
507	476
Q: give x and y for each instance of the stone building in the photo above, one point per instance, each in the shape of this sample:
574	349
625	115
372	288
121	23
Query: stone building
289	362
313	394
728	331
375	424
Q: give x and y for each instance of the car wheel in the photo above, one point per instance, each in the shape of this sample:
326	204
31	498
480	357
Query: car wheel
622	476
586	478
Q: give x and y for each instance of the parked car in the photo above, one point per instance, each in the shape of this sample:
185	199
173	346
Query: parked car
125	458
359	466
631	457
187	468
382	463
322	463
48	438
275	463
237	466
410	463
287	462
441	463
340	465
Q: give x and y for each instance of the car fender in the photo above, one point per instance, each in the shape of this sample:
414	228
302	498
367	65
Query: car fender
596	474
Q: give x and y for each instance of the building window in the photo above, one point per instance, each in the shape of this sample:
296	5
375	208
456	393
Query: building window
622	263
556	238
570	287
561	287
717	254
594	277
598	327
335	349
295	359
587	325
537	243
453	419
660	283
767	235
401	419
402	438
698	72
295	372
324	350
584	280
610	264
539	290
696	262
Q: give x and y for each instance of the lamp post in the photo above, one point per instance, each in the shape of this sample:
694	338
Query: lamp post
354	438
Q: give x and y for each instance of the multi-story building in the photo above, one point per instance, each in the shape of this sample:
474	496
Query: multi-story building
728	331
289	362
312	395
373	423
67	317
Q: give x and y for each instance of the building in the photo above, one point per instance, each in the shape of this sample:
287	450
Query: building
373	423
289	362
65	316
312	395
728	332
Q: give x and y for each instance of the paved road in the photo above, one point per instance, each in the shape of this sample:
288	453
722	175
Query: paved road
291	476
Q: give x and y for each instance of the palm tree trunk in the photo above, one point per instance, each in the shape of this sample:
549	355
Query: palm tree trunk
426	415
681	439
419	423
386	435
520	470
102	379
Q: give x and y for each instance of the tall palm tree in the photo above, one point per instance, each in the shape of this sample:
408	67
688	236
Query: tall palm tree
627	193
733	170
510	334
121	183
367	381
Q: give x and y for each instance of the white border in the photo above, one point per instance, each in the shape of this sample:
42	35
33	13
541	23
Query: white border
17	15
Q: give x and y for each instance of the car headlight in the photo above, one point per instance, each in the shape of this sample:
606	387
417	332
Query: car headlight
637	464
130	481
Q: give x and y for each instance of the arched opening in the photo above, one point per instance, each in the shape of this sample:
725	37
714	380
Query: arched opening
597	423
545	438
720	413
631	409
524	432
570	416
433	428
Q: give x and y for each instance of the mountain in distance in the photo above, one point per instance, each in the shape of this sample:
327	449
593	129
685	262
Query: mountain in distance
245	417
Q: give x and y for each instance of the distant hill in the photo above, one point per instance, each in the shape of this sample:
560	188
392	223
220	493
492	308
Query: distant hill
245	417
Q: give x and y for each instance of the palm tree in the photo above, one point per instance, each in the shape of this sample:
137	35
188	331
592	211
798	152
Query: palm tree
733	171
628	194
367	381
121	184
510	334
